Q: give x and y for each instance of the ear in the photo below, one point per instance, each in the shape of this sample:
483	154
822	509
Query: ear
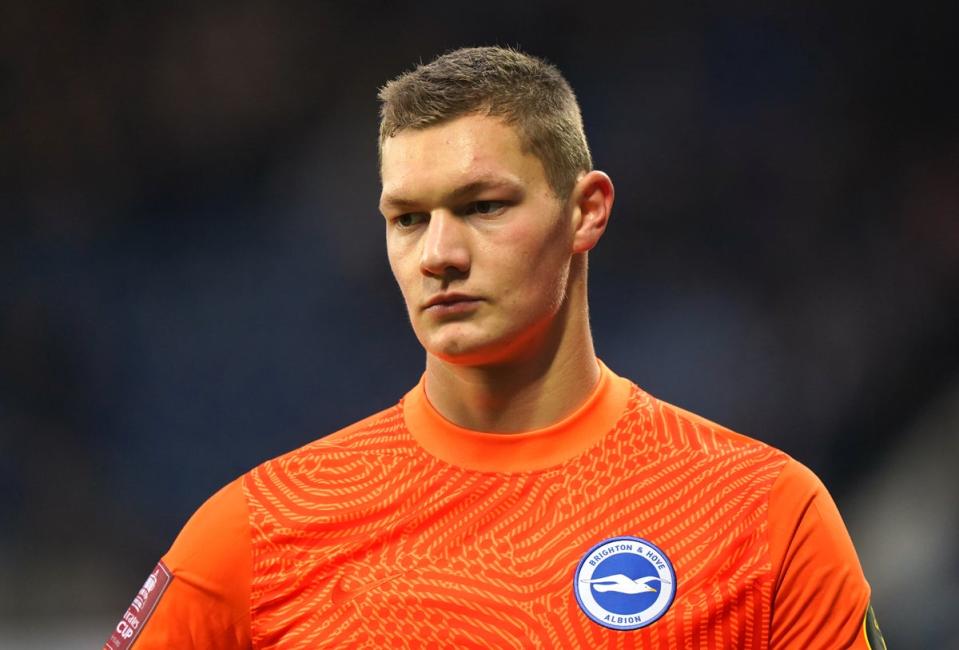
592	203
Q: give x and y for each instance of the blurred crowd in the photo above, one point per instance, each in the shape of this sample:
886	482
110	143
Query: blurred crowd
194	277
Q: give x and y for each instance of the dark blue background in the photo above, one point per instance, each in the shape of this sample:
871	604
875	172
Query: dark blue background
194	280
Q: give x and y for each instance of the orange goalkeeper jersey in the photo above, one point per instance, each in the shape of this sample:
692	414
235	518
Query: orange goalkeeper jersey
629	524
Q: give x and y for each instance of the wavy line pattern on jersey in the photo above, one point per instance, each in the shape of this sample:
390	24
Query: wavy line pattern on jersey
487	560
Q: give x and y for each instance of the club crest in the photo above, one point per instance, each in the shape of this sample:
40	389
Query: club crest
624	583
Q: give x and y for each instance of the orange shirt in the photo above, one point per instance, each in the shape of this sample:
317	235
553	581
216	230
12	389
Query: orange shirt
629	524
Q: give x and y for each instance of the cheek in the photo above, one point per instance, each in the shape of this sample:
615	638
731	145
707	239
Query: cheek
537	283
394	266
398	254
399	265
550	275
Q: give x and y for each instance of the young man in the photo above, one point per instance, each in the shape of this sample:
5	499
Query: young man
522	495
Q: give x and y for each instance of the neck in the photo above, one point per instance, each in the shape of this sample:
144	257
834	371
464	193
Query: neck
550	381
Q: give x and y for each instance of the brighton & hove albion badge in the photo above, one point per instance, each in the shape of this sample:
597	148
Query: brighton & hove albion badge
625	583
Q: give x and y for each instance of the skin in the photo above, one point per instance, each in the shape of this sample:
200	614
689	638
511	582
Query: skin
492	267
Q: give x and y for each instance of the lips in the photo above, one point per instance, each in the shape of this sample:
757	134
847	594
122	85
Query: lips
447	299
451	303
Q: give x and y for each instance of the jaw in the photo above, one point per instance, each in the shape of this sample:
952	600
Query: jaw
488	344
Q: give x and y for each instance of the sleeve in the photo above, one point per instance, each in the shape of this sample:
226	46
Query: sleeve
821	597
199	594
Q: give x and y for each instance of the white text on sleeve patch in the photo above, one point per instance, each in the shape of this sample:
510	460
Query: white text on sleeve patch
137	614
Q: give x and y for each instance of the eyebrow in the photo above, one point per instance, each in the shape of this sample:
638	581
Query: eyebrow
469	189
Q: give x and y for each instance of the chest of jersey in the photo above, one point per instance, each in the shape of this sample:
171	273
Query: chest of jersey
626	546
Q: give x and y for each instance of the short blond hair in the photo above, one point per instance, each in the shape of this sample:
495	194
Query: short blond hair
526	92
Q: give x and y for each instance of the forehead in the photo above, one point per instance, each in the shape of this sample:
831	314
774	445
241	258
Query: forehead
452	154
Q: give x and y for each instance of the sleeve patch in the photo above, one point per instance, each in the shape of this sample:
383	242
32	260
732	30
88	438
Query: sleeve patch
870	629
139	611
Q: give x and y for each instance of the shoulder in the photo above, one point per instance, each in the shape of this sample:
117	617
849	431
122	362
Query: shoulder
211	562
215	535
314	483
219	530
798	487
698	435
205	598
381	434
820	595
795	493
714	457
804	518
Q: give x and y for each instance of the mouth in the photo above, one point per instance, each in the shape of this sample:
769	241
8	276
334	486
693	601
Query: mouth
451	303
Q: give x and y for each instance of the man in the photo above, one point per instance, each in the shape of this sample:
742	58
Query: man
522	495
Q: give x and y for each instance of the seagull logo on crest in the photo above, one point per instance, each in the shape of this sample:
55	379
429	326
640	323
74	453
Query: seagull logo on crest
623	584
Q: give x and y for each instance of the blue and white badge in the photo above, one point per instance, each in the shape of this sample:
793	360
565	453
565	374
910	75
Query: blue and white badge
625	583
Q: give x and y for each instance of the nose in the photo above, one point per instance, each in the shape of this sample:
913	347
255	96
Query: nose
445	252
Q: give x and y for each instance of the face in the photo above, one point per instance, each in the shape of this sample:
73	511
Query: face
478	242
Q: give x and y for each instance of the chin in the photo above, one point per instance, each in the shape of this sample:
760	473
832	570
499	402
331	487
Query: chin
463	350
489	353
474	346
460	355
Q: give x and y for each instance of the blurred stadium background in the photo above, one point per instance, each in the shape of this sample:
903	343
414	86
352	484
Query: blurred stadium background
194	277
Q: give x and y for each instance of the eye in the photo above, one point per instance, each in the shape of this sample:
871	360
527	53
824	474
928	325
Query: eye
410	219
485	207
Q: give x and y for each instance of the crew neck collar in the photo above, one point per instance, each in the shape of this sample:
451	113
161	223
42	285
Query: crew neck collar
527	451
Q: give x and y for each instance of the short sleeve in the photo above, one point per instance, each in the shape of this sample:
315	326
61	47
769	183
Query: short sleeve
821	596
205	603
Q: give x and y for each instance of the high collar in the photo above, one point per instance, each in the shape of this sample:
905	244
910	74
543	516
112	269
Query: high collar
528	451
